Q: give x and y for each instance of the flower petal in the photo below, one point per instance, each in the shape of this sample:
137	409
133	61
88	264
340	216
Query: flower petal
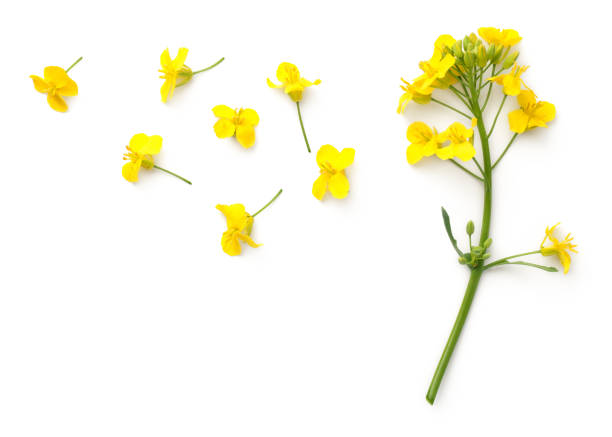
178	62
339	185
56	76
245	135
229	242
152	146
343	159
320	185
414	153
223	111
287	73
69	89
165	59
224	128
57	102
235	215
39	84
248	116
518	121
167	89
247	239
130	170
326	155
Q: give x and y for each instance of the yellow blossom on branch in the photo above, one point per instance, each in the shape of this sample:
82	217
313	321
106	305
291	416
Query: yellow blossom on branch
175	73
414	92
559	248
56	84
461	145
531	113
511	81
424	141
436	68
501	37
333	178
290	79
239	122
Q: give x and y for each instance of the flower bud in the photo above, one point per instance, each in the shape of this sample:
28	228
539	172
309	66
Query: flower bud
467	43
486	256
469	228
482	56
456	49
498	52
510	60
487	243
469	59
462	260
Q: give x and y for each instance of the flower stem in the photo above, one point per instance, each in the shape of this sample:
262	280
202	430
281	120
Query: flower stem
75	62
302	125
450	107
505	260
208	68
269	203
497	115
173	174
477	271
505	150
466	170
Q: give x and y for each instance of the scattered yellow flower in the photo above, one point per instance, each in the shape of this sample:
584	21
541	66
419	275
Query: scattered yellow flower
140	154
289	77
239	225
505	37
332	165
559	248
460	144
239	122
511	81
531	114
55	84
172	70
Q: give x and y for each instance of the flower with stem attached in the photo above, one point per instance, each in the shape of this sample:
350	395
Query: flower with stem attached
239	122
333	178
139	155
294	85
531	113
239	226
56	84
415	91
511	81
424	141
559	248
175	73
501	37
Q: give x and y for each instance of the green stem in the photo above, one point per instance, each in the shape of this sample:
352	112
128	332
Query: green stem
269	203
505	150
466	170
302	125
450	107
173	174
460	96
478	165
477	271
489	91
75	62
497	115
505	260
208	68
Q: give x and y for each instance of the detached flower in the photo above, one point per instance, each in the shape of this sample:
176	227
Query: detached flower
332	165
424	141
511	81
175	73
239	226
505	37
140	155
239	122
559	248
294	85
531	114
56	85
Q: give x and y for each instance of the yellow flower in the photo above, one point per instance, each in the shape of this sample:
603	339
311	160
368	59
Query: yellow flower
443	42
436	68
172	70
414	91
140	154
511	81
55	84
505	37
239	122
332	165
531	114
559	248
423	141
460	144
239	225
289	77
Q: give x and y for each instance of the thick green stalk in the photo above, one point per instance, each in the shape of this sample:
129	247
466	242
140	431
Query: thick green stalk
476	273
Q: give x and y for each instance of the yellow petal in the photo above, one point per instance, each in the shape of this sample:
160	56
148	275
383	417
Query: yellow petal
320	185
339	185
57	102
224	128
544	111
235	215
518	121
165	59
287	73
56	76
326	155
130	170
178	62
247	239
419	132
248	116
245	135
445	153
273	85
223	111
146	145
464	151
69	89
39	84
526	98
565	260
230	244
167	89
414	153
343	159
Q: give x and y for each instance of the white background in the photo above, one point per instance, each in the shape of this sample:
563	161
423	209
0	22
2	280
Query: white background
121	316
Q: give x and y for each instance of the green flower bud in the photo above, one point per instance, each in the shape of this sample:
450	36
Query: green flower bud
486	256
487	243
491	53
498	52
469	59
467	43
510	60
469	228
456	49
462	260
